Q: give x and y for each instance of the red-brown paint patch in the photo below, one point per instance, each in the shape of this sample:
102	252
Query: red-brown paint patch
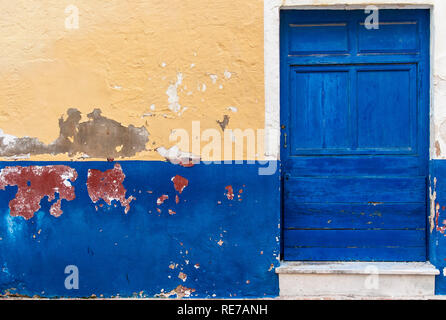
36	182
55	209
180	292
182	276
177	199
230	192
108	186
179	183
171	212
187	164
161	199
441	229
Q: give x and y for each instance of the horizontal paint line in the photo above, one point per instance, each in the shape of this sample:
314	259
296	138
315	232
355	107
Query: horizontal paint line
358	177
94	160
392	23
319	55
311	63
318	25
319	152
374	204
354	229
387	53
354	247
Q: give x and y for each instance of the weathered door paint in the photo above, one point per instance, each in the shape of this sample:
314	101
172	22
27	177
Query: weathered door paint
354	114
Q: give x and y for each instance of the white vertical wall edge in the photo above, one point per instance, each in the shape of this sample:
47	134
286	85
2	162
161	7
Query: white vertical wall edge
271	26
272	63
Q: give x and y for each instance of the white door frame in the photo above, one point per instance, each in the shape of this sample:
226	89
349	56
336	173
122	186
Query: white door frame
272	61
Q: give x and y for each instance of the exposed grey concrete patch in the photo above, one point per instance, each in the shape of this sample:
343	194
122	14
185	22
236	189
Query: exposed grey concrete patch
223	124
99	137
21	146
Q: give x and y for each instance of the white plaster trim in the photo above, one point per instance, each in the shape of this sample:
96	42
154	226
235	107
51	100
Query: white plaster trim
343	267
272	60
272	78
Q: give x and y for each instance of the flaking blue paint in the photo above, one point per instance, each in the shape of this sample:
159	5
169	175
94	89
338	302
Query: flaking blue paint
128	254
437	240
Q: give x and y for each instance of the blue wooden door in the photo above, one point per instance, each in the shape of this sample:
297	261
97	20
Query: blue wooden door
355	131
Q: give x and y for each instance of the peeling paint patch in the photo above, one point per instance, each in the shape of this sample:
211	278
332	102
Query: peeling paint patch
175	156
441	229
223	124
437	149
7	138
99	137
172	94
202	88
108	186
179	183
55	209
214	78
182	276
232	109
36	182
229	192
180	292
161	199
433	198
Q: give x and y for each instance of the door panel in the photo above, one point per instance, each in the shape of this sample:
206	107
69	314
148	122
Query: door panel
355	115
354	215
355	253
391	37
385	103
322	99
354	165
302	38
354	189
356	238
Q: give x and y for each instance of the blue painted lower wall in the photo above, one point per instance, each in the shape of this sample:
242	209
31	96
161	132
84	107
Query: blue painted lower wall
437	222
209	244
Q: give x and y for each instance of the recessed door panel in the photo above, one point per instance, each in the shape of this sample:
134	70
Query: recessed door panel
386	105
321	101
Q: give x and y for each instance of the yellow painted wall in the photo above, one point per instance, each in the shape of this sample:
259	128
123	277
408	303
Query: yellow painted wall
123	58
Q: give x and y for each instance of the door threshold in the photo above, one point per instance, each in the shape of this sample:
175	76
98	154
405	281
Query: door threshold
357	267
366	279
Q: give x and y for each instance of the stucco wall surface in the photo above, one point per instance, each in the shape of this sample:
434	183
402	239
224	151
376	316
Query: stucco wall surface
86	85
91	94
155	65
